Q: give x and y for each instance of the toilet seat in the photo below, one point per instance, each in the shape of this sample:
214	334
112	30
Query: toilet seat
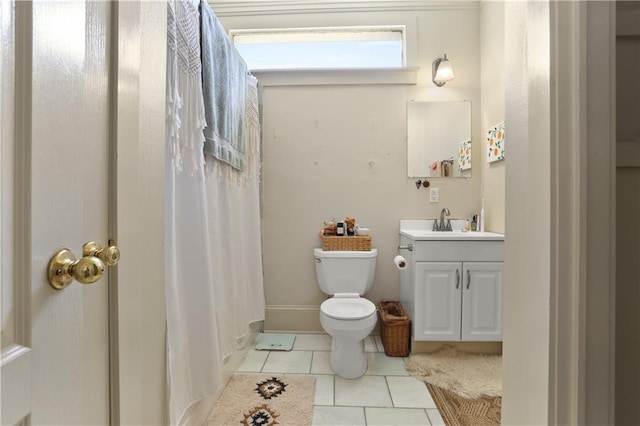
348	306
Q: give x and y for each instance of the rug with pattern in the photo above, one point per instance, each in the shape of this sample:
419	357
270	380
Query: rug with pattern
458	411
265	400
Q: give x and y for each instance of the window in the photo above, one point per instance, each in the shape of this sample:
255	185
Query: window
321	48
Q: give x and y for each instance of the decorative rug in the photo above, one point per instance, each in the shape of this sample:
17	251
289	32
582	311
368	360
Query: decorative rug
264	400
465	374
458	411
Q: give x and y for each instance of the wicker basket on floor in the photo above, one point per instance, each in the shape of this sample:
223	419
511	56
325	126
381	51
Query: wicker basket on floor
395	328
346	243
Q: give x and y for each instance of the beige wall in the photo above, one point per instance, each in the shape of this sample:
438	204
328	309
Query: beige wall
492	86
337	151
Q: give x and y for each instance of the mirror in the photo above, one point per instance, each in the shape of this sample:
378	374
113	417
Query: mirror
439	139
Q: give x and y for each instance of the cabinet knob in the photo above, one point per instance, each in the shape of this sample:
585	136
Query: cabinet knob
457	279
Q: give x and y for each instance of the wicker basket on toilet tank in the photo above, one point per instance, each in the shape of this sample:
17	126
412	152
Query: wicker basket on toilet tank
346	243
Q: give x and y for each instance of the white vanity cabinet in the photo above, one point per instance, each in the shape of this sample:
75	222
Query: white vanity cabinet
452	290
482	301
460	301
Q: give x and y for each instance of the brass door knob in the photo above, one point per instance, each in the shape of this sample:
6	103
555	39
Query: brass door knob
109	255
64	268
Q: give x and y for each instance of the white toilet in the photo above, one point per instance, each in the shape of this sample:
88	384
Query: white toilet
347	317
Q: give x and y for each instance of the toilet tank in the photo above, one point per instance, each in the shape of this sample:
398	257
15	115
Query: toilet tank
345	271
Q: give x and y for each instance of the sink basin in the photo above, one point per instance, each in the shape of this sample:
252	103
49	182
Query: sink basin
421	230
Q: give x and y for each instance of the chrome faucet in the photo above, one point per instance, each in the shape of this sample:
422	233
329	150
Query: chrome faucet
442	226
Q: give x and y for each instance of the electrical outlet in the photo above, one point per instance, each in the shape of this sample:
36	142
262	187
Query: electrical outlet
433	195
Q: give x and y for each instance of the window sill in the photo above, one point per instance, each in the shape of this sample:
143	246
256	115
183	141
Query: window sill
323	77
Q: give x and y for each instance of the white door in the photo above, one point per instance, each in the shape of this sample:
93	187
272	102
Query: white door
438	304
55	353
482	301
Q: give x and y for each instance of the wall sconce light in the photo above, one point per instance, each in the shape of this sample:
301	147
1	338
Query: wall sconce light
442	71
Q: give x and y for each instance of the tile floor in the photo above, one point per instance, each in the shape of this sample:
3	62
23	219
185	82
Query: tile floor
385	395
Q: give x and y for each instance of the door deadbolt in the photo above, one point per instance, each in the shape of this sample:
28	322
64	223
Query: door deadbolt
109	255
64	268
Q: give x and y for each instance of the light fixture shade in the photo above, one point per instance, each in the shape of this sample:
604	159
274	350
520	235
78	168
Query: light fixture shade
442	71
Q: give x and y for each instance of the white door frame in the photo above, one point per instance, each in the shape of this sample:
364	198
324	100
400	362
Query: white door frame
583	167
139	385
139	343
560	318
599	233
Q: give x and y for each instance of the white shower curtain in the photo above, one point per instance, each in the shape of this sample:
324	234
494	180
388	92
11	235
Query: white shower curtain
214	283
234	235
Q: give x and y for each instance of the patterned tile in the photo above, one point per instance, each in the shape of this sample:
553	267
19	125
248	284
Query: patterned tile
386	395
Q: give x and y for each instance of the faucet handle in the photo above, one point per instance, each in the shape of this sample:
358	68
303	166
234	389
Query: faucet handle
448	228
435	225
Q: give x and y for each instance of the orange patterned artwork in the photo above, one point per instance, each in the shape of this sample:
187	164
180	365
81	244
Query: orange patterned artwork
495	143
464	155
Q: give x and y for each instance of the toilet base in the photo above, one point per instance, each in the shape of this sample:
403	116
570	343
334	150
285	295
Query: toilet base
348	358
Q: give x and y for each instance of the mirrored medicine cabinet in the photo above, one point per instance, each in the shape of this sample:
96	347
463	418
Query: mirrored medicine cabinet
439	139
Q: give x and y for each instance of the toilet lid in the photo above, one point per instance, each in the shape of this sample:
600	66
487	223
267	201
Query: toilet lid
348	308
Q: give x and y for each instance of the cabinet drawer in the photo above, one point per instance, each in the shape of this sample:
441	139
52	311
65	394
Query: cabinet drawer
465	251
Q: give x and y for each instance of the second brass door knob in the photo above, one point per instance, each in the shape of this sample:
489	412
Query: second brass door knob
64	268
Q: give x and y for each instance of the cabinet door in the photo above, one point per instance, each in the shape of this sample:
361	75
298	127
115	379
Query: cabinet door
438	301
482	301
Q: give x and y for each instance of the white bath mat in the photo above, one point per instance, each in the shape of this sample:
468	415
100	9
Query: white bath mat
275	342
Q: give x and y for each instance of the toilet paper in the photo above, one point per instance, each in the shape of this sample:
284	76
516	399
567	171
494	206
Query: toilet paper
400	262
